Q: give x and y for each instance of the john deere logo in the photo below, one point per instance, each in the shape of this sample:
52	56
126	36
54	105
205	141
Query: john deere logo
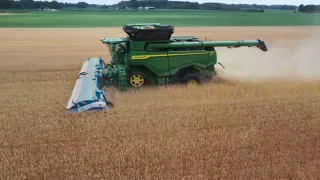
140	57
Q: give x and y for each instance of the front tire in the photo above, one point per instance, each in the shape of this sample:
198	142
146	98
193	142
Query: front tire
137	79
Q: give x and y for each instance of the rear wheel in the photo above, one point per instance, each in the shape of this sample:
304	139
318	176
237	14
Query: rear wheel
192	79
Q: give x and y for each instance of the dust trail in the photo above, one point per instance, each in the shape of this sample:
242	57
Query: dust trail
286	60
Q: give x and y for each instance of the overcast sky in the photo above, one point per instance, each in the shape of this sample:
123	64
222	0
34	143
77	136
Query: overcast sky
267	2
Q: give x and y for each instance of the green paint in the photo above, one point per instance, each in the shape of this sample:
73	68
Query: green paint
165	61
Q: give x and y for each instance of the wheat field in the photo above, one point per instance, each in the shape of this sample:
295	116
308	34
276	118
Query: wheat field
261	122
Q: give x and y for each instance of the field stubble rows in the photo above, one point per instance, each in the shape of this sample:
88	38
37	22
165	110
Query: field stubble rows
241	129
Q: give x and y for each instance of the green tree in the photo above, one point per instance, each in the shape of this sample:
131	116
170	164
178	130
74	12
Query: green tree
134	4
6	4
310	8
300	8
27	4
54	5
82	5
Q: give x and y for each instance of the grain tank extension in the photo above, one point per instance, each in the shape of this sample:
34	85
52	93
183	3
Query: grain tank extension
149	55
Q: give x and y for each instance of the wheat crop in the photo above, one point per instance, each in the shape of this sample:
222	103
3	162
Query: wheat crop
261	130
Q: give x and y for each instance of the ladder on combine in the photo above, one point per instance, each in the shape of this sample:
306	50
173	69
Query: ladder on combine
122	79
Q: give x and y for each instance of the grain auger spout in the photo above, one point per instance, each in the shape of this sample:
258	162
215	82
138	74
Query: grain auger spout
248	43
149	55
209	44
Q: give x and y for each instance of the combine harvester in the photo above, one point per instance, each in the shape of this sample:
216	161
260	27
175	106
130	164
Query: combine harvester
148	56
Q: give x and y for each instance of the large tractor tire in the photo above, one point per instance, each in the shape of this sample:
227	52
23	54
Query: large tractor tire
192	79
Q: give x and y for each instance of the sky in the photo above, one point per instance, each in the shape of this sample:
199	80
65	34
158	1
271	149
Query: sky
266	2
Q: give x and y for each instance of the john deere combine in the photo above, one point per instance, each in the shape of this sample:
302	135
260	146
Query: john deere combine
149	55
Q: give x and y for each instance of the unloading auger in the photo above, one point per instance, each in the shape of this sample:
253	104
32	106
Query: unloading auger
148	56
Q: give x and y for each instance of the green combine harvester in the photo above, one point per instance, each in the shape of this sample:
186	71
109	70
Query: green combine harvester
150	55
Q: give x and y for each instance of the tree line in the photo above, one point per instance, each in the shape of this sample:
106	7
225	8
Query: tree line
160	4
309	8
31	4
165	4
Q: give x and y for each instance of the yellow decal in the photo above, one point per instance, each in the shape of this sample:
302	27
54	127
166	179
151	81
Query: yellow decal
143	57
148	56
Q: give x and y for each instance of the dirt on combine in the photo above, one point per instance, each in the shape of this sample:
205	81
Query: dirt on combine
264	124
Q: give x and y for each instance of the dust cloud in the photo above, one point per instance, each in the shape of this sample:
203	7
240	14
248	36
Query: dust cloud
285	60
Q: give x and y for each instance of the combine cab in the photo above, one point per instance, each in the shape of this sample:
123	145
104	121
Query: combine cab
149	55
